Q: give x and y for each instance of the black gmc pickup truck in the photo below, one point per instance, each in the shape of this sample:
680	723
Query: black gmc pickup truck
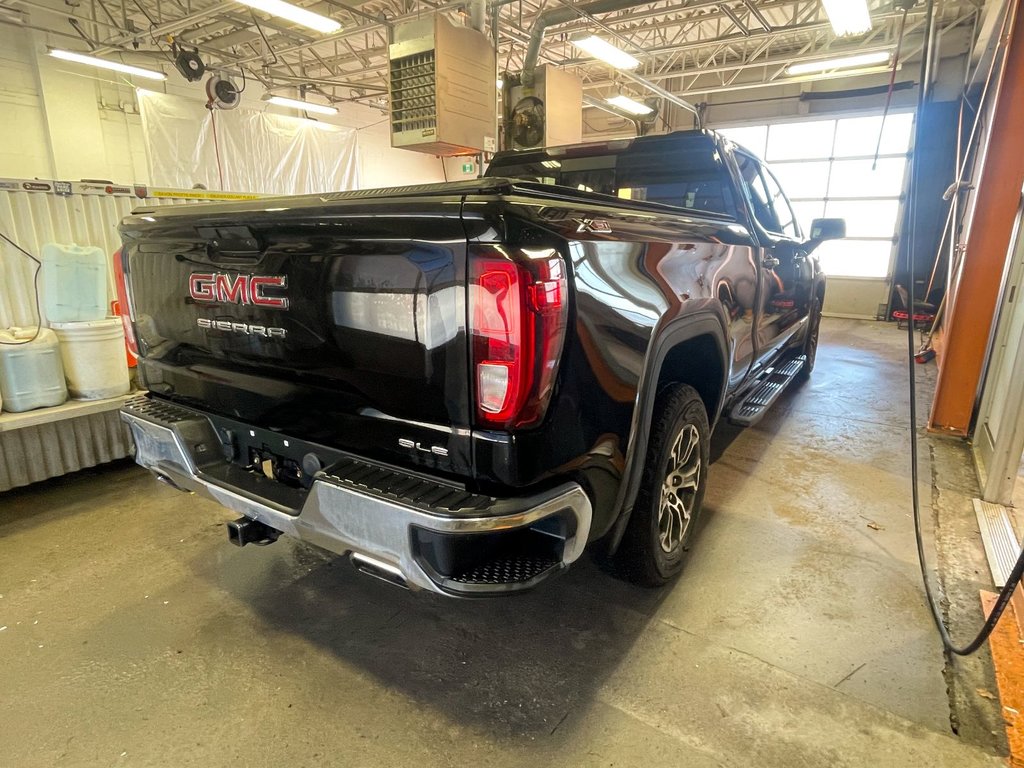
463	385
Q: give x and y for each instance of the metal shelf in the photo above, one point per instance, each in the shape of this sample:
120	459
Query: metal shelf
10	422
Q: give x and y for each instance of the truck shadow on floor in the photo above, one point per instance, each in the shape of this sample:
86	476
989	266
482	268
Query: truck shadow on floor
509	667
726	433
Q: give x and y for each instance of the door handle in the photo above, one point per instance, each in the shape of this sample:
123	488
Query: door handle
769	262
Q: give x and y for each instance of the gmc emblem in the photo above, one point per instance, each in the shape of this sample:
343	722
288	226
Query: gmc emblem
219	288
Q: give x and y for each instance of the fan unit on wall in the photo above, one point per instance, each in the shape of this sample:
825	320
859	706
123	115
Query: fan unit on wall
442	88
527	123
222	93
548	114
188	63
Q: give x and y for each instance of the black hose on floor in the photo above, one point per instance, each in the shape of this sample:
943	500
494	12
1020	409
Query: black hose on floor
1018	570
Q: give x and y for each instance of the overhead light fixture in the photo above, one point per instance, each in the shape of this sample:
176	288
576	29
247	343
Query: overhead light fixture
605	51
117	66
294	13
500	83
848	17
627	104
307	106
859	60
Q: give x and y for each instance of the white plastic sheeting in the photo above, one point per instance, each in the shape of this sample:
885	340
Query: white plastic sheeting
258	151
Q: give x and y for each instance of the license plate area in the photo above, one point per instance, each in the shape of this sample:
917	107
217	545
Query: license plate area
264	461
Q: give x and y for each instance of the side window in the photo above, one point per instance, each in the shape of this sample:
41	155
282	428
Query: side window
757	193
779	202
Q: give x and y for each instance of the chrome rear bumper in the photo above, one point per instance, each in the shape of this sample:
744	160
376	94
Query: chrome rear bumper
384	535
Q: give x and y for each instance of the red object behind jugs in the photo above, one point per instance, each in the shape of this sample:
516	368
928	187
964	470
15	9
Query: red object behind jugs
115	309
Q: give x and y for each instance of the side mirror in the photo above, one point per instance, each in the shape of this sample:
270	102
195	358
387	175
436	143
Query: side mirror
827	229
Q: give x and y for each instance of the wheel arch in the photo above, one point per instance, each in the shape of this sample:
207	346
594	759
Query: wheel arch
689	350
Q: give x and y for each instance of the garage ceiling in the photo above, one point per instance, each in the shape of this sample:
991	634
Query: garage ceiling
687	48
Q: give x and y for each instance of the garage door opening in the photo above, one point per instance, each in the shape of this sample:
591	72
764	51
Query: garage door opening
828	168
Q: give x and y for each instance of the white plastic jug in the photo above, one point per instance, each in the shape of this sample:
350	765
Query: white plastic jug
31	374
74	283
94	359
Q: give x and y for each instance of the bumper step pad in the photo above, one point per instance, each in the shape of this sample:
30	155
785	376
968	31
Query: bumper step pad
406	487
509	570
158	411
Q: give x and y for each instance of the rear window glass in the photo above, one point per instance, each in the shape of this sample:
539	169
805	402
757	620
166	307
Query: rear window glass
684	172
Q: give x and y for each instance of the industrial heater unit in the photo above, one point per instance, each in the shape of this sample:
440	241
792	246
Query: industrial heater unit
442	87
548	114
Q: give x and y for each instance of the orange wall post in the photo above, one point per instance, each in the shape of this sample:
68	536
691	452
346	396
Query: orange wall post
988	243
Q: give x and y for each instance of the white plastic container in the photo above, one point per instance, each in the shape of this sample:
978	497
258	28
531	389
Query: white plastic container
74	283
31	374
94	362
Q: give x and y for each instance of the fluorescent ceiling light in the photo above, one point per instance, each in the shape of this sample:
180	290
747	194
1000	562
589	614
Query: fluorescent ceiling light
848	17
294	13
307	106
117	66
860	60
629	105
605	51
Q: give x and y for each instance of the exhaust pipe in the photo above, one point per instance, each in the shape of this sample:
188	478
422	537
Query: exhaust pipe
247	531
378	569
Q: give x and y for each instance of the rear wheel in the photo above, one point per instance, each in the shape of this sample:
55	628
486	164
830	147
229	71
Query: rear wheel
810	350
671	496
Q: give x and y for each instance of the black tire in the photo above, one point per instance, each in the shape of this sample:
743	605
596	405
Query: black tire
810	350
648	556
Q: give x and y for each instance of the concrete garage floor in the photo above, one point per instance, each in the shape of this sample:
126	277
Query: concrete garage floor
798	635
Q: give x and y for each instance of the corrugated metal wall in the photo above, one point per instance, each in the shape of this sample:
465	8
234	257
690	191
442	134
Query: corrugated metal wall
33	213
33	218
49	450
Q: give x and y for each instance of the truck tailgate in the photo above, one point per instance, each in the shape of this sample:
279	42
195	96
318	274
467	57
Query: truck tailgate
336	322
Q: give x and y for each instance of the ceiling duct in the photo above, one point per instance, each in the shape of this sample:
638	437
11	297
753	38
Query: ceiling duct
567	13
477	13
561	15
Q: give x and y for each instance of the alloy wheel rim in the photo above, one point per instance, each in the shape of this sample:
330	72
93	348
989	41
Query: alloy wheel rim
679	488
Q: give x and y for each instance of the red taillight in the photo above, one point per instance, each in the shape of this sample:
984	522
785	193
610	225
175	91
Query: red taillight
124	306
518	315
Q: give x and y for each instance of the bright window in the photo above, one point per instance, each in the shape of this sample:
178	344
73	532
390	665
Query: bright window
858	136
803	180
856	178
826	168
865	218
800	141
856	258
808	210
751	137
